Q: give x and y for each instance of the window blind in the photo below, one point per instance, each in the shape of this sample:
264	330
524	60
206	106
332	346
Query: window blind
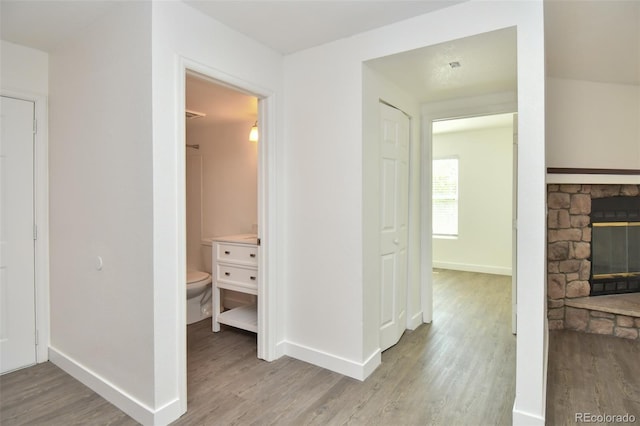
445	196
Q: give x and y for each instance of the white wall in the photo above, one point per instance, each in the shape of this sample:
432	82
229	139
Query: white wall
222	184
101	206
327	318
222	197
592	125
116	170
324	287
182	36
23	69
230	180
485	201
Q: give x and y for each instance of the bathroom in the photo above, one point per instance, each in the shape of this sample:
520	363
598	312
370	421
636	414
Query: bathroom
221	184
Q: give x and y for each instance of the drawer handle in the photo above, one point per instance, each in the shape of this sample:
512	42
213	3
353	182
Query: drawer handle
228	274
227	252
252	255
252	278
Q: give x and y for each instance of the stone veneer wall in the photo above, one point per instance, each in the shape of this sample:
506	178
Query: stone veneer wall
569	267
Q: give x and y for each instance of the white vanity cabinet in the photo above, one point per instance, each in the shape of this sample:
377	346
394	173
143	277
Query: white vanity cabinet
235	267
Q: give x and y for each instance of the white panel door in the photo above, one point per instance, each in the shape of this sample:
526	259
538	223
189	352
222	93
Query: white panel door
394	213
17	279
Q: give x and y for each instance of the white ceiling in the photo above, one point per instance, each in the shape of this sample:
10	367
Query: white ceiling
289	26
219	103
43	25
588	40
487	65
285	26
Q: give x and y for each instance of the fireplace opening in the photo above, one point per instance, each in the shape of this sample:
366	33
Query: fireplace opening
615	245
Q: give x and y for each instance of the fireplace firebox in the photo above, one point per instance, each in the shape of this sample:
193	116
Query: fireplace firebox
615	245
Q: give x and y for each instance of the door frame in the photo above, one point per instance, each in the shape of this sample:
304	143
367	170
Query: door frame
41	218
498	103
514	227
266	210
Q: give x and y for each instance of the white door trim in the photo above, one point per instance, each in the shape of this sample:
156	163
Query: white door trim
267	231
514	238
41	218
481	105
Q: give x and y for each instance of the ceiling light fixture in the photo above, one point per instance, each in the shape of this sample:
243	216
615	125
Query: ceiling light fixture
455	64
253	134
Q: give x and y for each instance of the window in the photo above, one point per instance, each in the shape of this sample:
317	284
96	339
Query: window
445	197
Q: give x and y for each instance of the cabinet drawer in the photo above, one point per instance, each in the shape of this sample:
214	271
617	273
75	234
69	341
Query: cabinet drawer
242	277
237	253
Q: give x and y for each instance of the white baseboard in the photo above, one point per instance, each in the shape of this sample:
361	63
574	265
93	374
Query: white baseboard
281	349
415	321
118	397
370	365
468	267
521	418
356	370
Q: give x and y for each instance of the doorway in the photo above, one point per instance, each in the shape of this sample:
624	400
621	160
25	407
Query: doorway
466	77
264	216
473	197
221	182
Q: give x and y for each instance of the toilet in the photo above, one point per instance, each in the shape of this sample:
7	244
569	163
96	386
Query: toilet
198	296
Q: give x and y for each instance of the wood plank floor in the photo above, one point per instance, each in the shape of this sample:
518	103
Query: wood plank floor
45	395
459	370
589	373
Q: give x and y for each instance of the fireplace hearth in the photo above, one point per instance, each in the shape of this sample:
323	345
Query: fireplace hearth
615	245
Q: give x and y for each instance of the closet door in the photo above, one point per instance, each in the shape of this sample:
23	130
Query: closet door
17	277
394	214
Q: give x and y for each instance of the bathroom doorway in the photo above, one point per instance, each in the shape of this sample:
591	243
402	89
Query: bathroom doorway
225	183
221	183
265	216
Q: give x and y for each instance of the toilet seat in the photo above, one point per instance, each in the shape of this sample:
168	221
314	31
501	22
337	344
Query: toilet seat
197	283
198	295
194	277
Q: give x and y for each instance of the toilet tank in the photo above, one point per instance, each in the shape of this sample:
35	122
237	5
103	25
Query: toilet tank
206	255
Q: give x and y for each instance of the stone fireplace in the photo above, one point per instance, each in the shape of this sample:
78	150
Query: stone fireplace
575	276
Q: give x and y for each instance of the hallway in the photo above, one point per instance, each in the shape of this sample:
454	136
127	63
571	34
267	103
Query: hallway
457	370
